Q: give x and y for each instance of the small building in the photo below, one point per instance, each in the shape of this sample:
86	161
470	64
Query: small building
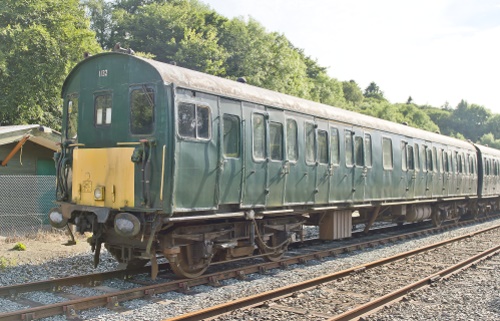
27	177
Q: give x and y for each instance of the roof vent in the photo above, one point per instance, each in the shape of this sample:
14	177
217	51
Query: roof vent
242	80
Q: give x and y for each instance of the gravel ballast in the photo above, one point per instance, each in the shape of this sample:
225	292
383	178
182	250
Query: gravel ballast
471	295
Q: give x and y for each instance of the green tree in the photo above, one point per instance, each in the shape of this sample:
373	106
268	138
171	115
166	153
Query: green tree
442	118
493	125
100	12
40	41
416	117
470	120
352	92
373	91
201	53
159	27
489	140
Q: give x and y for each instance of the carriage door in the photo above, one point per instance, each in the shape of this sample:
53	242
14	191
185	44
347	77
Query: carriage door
322	163
277	167
255	170
340	185
410	171
447	170
230	163
360	169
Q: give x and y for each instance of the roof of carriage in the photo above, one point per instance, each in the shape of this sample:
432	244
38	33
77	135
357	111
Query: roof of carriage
190	79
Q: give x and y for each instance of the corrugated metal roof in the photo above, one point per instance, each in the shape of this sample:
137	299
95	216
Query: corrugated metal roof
40	135
195	80
16	128
485	150
191	79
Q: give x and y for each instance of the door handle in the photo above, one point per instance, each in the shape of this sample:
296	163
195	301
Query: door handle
285	169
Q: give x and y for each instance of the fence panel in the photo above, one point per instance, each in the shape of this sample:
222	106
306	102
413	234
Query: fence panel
25	202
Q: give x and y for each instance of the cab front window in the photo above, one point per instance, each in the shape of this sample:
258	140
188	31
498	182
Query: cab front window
142	103
102	107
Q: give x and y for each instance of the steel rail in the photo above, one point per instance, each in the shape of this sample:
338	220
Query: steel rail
111	300
94	278
259	299
368	307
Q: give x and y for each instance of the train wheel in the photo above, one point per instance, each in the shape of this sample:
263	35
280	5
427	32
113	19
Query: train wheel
437	217
187	264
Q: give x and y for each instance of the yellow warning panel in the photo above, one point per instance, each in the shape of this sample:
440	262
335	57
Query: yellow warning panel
103	177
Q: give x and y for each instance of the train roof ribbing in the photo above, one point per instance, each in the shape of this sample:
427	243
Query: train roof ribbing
199	81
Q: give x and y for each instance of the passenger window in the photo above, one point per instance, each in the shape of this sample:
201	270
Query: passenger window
460	161
193	121
310	143
446	165
142	110
417	157
349	152
436	158
276	140
404	156
334	141
358	151
231	135
323	146
72	114
102	108
455	162
292	148
259	136
387	153
411	157
430	161
423	158
368	150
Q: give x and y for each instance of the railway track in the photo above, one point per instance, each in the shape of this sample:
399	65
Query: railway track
140	288
358	291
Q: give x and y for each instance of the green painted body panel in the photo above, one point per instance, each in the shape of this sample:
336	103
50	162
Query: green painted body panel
197	162
230	183
255	175
118	74
198	176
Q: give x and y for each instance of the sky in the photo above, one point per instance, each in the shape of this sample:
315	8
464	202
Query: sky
435	51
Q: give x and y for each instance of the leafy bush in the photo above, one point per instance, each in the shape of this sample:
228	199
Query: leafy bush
19	247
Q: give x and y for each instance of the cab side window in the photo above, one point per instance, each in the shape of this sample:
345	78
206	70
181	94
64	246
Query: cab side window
142	106
72	114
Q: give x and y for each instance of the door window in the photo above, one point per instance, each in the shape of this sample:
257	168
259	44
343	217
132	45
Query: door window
231	135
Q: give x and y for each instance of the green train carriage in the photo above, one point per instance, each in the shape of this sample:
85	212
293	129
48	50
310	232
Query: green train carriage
161	160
